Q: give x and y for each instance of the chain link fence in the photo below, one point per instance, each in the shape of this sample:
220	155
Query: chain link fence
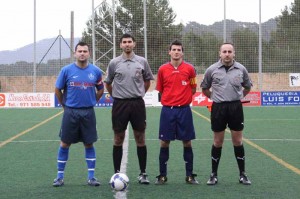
270	50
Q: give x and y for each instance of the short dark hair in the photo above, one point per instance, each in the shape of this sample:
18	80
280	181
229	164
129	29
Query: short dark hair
225	43
176	43
81	43
127	35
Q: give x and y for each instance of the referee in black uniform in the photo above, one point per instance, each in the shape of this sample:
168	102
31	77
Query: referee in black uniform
226	82
128	79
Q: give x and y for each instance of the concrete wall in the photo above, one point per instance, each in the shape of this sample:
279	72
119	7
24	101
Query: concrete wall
14	84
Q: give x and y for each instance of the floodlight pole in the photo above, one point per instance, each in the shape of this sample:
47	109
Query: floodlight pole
34	47
145	28
72	38
224	23
93	32
259	50
114	28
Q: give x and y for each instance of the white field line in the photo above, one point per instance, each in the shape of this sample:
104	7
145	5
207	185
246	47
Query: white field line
125	152
127	140
123	194
261	149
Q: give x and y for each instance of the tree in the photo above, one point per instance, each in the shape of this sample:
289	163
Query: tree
201	50
285	40
246	48
130	18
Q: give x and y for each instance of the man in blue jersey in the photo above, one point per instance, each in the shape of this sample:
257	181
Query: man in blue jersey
78	87
128	79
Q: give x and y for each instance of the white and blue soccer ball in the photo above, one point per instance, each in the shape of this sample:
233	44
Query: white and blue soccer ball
119	182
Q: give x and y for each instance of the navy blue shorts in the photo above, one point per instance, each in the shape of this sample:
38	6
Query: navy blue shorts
128	110
176	123
227	113
78	125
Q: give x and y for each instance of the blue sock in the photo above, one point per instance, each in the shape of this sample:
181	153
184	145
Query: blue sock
188	157
62	158
163	160
90	157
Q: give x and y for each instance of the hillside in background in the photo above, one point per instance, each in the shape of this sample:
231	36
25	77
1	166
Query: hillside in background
46	49
56	48
231	25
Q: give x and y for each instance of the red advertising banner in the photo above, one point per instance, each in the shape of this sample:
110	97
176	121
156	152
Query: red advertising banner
199	99
2	99
252	99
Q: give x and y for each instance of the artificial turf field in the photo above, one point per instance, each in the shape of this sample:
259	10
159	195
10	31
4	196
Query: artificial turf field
29	142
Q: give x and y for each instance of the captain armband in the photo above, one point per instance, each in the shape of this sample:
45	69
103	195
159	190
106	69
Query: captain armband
193	81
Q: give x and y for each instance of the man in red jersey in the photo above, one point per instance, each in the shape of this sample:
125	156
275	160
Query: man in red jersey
176	83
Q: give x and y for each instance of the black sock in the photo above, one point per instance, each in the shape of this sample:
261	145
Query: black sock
142	156
117	157
188	157
215	158
240	157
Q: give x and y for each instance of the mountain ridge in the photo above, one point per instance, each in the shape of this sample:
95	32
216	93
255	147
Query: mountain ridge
54	48
46	49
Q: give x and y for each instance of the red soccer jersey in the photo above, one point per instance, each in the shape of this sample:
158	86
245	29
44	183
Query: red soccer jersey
176	84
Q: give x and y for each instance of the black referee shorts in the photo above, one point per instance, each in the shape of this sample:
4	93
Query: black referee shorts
131	110
227	113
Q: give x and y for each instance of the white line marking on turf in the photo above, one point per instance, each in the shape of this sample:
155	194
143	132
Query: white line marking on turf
125	152
127	140
28	130
275	139
123	194
264	151
248	120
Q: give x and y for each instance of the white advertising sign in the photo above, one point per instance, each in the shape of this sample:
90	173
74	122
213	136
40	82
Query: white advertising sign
294	79
26	100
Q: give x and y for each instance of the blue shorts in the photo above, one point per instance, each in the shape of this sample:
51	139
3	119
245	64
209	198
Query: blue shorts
176	123
78	125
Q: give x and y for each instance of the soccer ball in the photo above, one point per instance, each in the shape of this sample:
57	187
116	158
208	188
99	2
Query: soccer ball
119	182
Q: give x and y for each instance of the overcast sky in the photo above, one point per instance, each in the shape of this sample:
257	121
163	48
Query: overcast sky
53	16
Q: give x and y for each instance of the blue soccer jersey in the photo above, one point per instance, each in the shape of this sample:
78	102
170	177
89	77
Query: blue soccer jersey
78	85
